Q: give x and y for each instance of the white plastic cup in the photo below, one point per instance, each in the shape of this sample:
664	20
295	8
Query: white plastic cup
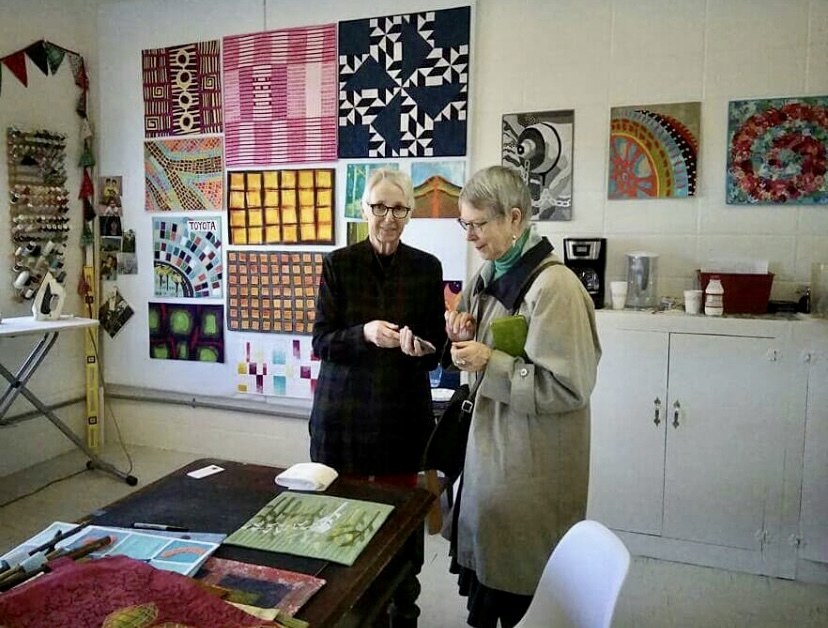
618	294
692	301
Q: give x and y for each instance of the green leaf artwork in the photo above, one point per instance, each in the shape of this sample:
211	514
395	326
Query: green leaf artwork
318	526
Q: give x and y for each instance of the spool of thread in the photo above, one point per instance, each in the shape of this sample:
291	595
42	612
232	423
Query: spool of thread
21	280
48	247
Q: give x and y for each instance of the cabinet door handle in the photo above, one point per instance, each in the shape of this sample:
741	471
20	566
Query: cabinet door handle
676	412
657	411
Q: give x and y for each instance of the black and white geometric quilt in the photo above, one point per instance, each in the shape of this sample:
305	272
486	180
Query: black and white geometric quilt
404	84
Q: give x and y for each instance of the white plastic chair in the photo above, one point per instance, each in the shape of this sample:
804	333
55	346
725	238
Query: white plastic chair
581	581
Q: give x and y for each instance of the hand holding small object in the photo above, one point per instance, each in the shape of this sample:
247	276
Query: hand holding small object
460	325
470	355
382	333
414	345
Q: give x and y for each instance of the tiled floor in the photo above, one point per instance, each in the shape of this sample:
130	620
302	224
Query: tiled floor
657	593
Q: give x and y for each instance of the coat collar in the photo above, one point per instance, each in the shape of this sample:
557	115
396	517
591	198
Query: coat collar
506	289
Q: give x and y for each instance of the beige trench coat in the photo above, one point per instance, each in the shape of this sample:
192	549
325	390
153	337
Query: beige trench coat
526	473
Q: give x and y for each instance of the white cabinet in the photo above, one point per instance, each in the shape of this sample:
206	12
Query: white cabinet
689	438
813	527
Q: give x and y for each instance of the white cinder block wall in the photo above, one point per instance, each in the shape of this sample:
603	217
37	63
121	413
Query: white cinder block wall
590	55
47	103
532	55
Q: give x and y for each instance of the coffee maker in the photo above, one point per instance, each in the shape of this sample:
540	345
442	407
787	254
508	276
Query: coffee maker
587	258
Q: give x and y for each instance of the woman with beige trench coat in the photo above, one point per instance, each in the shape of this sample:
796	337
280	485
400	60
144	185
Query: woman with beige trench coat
526	472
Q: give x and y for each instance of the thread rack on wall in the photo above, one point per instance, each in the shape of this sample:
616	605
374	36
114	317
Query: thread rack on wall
38	201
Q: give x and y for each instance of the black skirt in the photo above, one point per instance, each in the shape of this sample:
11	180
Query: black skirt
485	605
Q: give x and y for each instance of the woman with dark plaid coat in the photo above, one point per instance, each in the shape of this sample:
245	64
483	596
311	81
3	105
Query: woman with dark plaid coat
379	317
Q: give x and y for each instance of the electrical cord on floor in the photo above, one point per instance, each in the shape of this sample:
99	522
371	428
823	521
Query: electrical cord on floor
37	490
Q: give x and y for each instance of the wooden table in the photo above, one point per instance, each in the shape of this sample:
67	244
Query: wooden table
353	596
48	332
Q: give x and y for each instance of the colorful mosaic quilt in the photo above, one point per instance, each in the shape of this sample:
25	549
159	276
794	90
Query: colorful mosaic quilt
187	257
281	207
186	332
280	90
182	89
277	366
654	150
778	151
403	85
272	291
183	175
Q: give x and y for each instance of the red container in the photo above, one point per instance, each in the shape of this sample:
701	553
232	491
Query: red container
743	294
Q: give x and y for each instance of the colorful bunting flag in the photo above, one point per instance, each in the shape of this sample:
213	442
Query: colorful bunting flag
78	70
55	55
16	62
37	53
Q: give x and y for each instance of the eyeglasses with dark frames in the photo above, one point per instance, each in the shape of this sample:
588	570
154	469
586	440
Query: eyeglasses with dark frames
470	225
380	210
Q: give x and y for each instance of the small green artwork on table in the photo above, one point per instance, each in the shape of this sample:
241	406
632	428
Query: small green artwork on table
356	176
186	332
318	526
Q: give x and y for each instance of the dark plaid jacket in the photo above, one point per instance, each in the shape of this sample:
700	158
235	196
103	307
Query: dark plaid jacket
372	407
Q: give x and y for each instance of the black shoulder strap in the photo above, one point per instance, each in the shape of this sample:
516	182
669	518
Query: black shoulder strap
527	283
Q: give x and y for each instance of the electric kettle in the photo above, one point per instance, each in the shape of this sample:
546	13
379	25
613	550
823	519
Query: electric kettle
642	280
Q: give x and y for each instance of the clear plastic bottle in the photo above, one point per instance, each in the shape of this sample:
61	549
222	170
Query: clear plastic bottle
714	297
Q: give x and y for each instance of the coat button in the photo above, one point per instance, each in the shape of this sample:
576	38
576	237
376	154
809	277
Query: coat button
524	372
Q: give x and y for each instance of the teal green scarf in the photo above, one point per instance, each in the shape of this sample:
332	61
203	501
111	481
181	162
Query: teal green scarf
511	256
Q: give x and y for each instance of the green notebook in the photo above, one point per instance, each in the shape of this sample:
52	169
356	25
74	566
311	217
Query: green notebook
509	334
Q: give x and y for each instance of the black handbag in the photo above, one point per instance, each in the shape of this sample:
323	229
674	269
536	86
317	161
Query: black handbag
446	447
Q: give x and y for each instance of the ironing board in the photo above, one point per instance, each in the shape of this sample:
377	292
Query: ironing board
48	332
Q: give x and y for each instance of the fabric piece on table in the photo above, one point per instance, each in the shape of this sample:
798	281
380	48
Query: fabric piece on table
117	591
319	526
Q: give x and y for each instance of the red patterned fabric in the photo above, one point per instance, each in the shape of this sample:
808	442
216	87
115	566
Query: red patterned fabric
281	95
114	592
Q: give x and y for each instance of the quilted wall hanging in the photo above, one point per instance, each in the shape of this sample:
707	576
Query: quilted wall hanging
654	151
281	206
277	366
183	175
280	91
187	257
272	291
178	331
778	151
539	145
182	89
437	186
403	85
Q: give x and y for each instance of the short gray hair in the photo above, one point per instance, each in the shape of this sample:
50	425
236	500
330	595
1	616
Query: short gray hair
394	177
498	189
